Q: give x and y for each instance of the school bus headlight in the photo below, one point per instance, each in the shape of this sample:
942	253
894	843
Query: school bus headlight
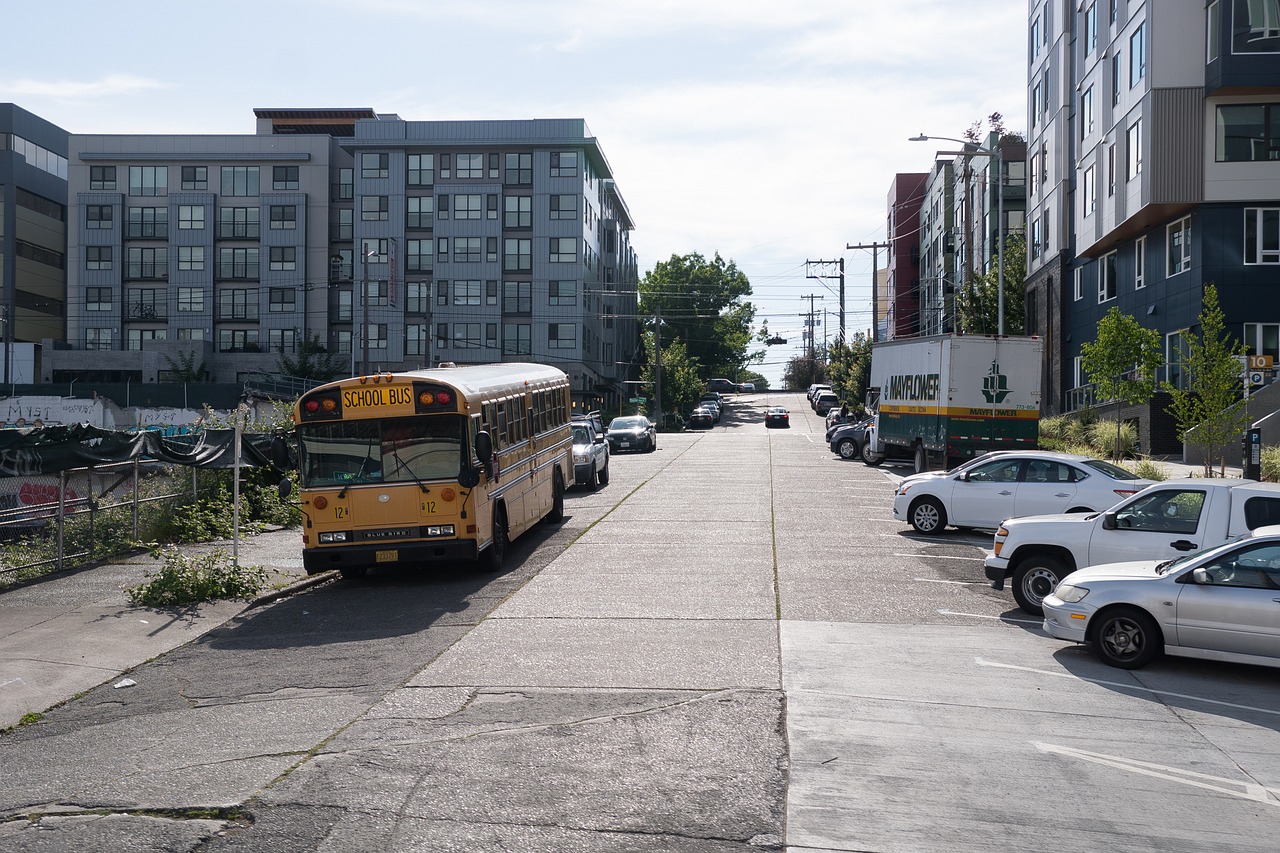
440	530
328	538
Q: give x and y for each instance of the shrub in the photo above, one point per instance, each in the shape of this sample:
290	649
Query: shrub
1147	469
1102	438
1271	464
194	578
1054	432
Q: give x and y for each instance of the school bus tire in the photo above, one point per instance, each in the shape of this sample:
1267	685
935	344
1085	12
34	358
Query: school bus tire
494	556
556	513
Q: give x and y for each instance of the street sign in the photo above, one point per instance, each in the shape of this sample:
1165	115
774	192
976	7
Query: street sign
638	399
1261	362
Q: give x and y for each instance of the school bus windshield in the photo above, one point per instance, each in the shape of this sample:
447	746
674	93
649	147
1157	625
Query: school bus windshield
390	450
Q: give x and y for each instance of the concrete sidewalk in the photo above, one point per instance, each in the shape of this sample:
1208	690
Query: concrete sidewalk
63	634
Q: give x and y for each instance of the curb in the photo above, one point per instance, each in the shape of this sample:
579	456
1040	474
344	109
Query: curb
298	586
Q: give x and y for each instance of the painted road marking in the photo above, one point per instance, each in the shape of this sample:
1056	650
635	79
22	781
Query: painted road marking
935	557
958	583
997	618
1125	686
1231	787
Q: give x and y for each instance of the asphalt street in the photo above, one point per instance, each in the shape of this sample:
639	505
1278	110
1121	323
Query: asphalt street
730	647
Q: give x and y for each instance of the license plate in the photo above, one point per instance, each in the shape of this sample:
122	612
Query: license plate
624	444
387	556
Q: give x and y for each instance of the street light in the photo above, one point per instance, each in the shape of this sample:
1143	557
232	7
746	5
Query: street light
971	148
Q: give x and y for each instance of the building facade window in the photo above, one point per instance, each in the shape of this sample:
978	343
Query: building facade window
466	335
238	304
146	262
195	178
148	222
516	338
1212	32
1178	242
422	170
1091	28
99	339
238	340
470	165
148	180
467	250
283	258
282	300
1247	133
1086	112
562	336
1255	26
415	339
562	292
102	177
1262	235
564	207
1107	278
420	211
240	180
1140	263
519	169
284	217
1175	354
375	208
97	257
373	165
187	334
282	340
238	263
190	299
420	255
1138	55
1133	150
467	205
417	297
98	216
1077	288
239	223
284	177
1088	191
517	254
518	211
1111	170
517	297
1262	339
137	336
1115	78
98	298
564	250
191	217
346	189
564	164
467	292
191	258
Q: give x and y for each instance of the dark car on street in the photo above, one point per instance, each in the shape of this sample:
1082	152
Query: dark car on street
632	432
702	418
777	416
846	440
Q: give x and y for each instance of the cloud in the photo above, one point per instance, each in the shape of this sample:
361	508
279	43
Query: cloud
108	86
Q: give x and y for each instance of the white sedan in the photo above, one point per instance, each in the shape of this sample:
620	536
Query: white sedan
1010	485
1217	604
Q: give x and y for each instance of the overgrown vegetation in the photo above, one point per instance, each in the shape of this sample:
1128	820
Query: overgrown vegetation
194	578
1088	435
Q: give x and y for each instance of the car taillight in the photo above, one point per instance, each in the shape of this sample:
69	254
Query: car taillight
1124	493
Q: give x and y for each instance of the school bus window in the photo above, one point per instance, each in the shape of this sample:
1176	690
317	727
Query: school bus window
381	451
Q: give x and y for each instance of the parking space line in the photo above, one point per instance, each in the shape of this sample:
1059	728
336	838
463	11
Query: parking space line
997	618
1126	686
957	583
1245	790
935	556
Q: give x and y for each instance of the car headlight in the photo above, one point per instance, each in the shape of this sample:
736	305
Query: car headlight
1070	593
579	457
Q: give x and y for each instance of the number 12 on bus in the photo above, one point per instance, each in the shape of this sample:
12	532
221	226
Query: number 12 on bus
431	465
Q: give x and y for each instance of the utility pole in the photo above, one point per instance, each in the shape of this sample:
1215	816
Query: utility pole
822	275
657	362
811	326
875	285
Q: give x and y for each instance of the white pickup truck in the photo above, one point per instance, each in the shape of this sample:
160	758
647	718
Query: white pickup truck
1167	520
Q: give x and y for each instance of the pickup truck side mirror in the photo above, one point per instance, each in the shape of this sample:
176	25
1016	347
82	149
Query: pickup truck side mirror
1109	521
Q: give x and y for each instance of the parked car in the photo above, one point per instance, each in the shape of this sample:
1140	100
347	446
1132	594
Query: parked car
1033	482
716	410
632	432
777	416
593	418
701	418
814	389
1217	604
746	387
825	401
846	440
713	397
590	455
724	386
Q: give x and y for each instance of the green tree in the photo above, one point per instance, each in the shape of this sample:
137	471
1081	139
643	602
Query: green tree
757	379
802	371
681	384
849	369
702	302
314	361
1122	362
1211	414
185	369
977	305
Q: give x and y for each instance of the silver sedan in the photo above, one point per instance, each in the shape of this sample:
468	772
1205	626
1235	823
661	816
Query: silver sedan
1222	603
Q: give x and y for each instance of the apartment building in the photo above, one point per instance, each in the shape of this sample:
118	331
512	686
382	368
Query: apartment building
937	250
906	196
33	237
1169	176
394	244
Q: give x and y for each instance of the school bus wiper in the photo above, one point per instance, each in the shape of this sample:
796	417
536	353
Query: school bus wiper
395	454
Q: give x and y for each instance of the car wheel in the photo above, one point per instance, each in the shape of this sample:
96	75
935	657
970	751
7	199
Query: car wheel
593	479
928	516
1125	637
869	456
604	474
556	514
494	556
847	448
1035	578
653	445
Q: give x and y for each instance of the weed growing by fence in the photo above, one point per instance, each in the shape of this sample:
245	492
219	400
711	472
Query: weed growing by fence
194	578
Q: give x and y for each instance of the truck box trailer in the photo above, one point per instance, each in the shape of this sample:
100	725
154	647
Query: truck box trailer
947	398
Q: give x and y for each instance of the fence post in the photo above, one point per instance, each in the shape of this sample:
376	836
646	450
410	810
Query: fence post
62	509
135	499
93	511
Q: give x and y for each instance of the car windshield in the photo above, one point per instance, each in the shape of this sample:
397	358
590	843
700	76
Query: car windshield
581	435
626	423
393	450
1115	472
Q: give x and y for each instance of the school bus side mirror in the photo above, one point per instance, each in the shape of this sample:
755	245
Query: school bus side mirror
285	488
484	447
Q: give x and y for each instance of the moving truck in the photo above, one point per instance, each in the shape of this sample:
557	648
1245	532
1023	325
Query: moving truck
947	398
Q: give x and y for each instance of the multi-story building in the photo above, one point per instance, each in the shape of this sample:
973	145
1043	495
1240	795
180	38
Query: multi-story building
1177	127
396	244
906	194
937	250
33	237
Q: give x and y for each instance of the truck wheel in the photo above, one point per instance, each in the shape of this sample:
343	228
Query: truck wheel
928	516
870	457
1125	637
604	474
593	478
847	448
1035	578
921	459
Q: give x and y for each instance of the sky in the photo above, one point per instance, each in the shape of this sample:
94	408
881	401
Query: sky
767	131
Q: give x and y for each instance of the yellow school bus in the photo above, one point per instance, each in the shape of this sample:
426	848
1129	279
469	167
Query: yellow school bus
430	465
